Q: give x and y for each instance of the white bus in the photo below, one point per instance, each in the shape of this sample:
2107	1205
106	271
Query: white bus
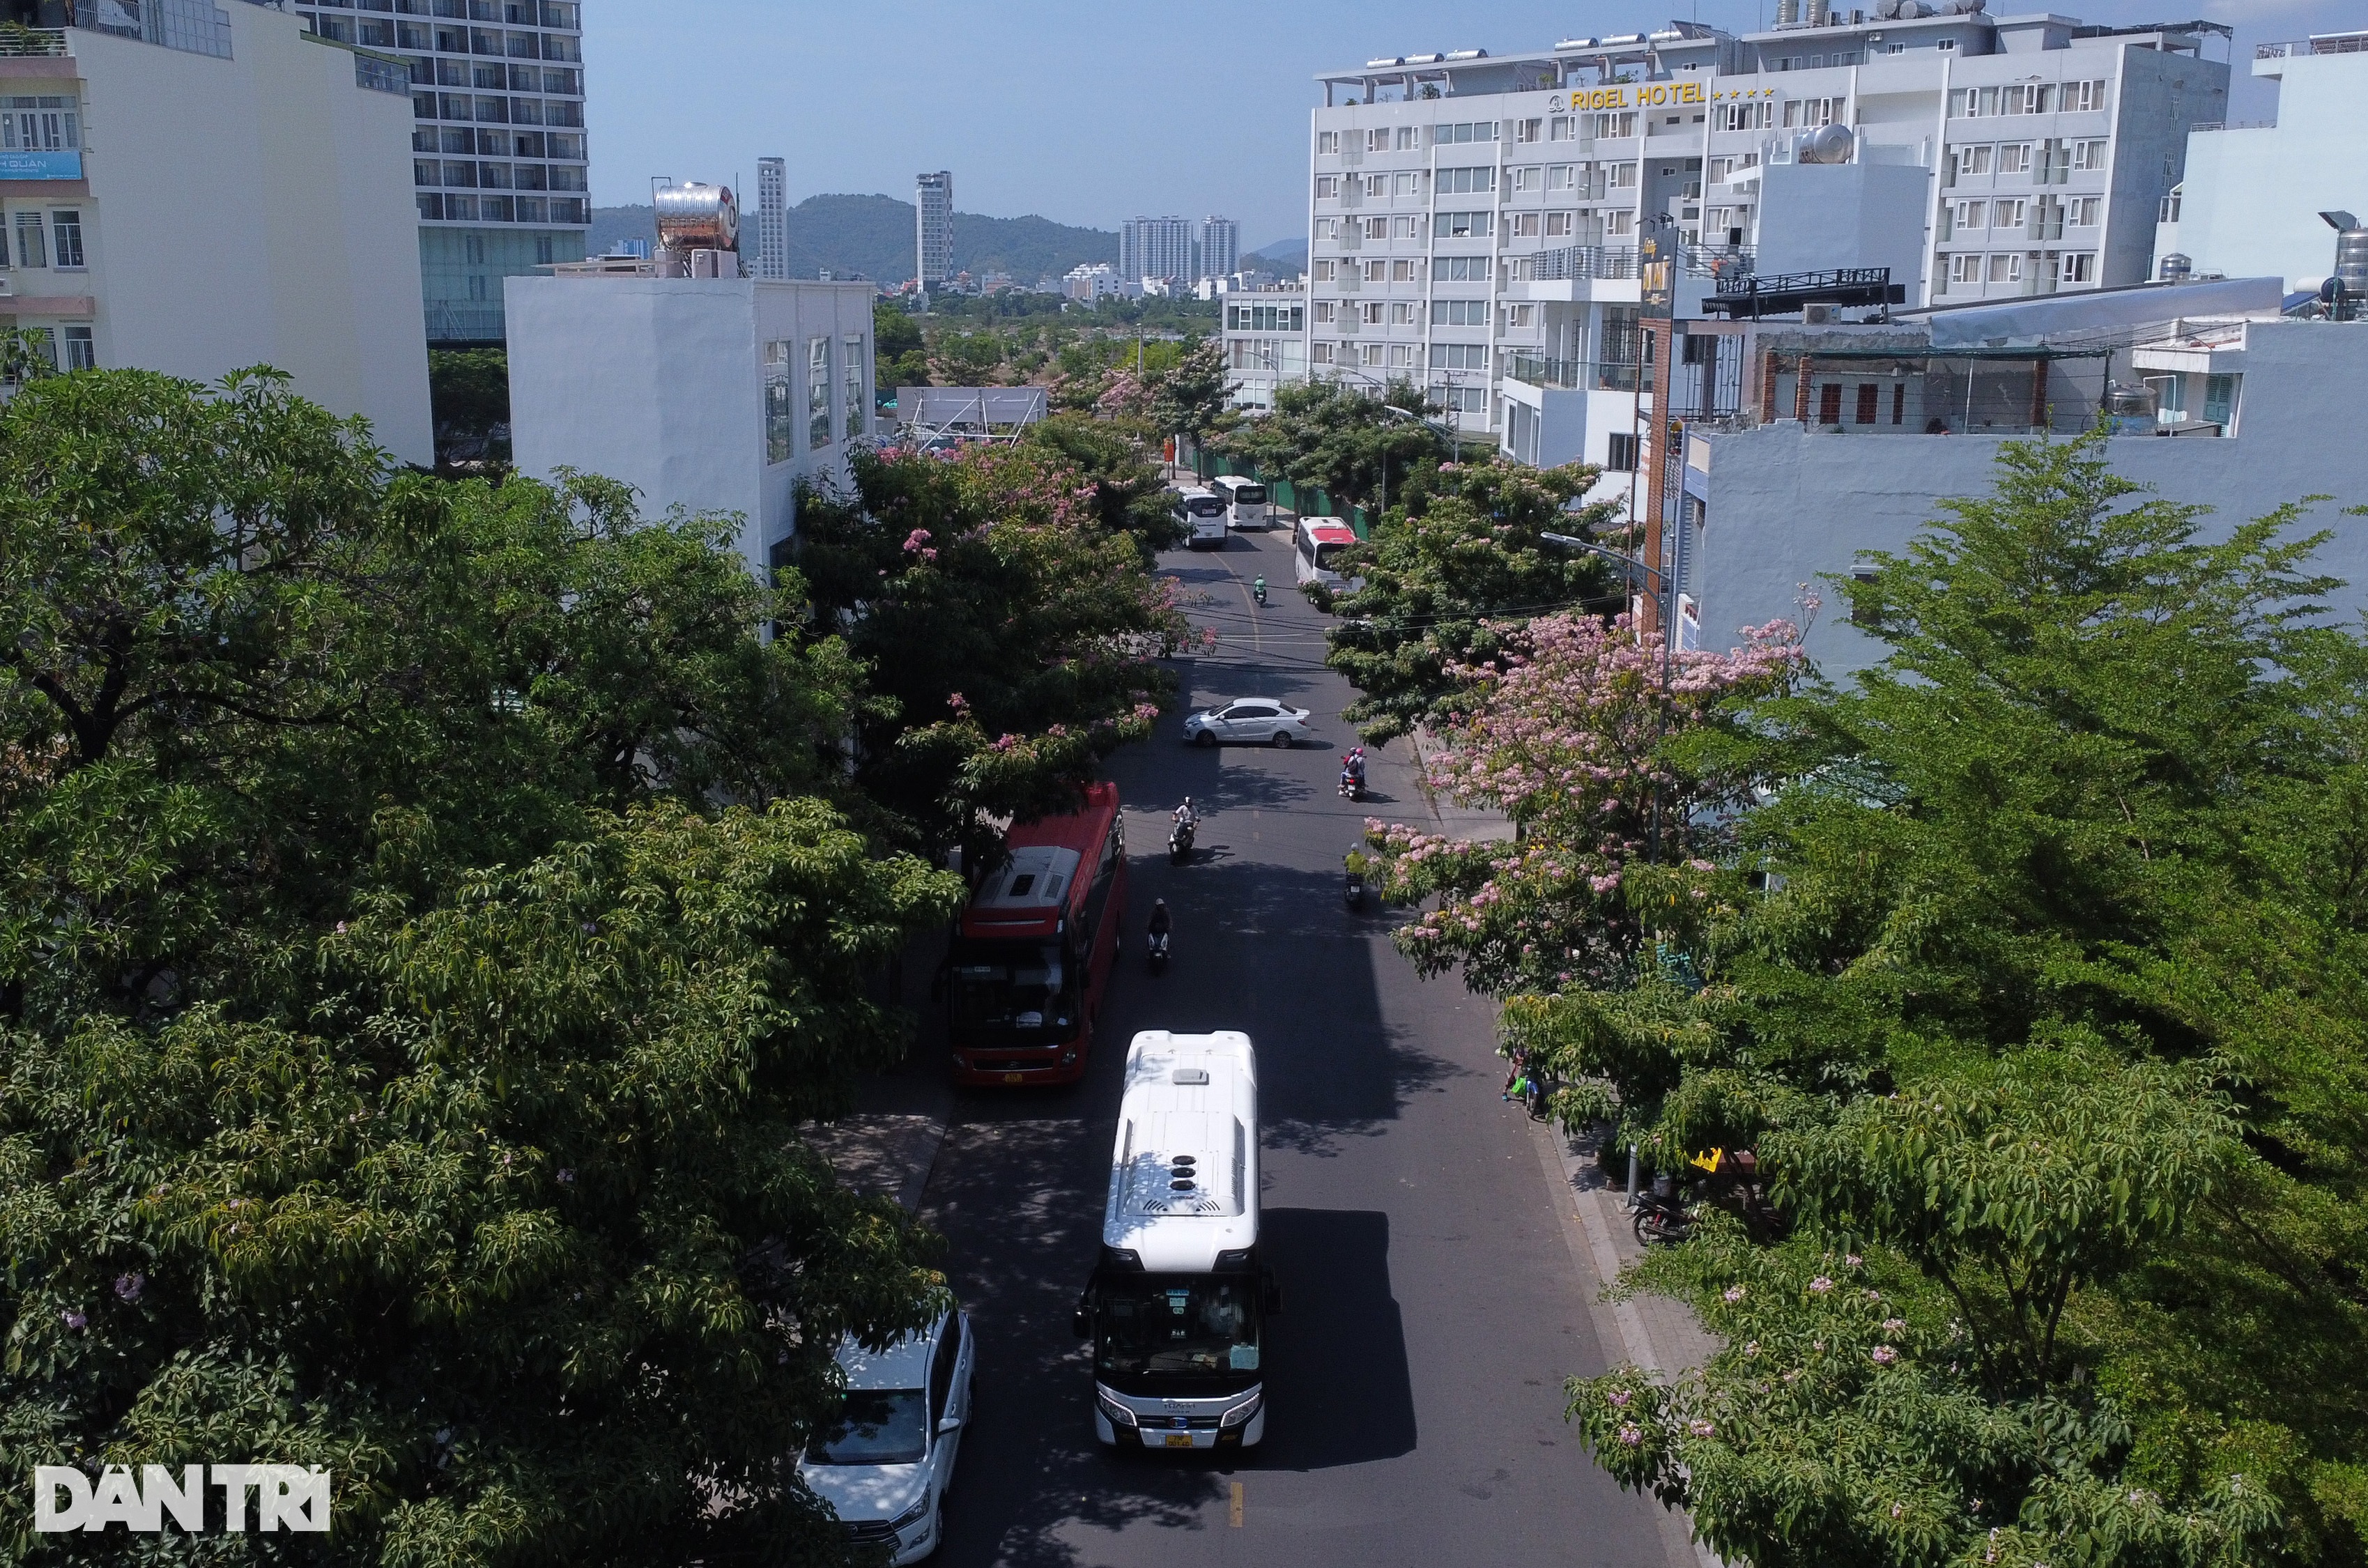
1316	544
1203	515
1245	503
1177	1307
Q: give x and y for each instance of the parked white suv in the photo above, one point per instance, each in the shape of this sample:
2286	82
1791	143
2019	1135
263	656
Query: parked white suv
888	1460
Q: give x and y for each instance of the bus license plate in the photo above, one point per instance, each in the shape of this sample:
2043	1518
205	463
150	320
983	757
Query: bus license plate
1179	1439
1011	1077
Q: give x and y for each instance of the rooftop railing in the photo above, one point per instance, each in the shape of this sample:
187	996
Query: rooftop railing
2349	43
20	42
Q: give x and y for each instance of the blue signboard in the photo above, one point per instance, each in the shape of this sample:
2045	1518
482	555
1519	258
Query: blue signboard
40	166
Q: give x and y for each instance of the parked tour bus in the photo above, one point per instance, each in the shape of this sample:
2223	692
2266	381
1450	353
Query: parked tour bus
1202	513
1315	543
1178	1304
1032	957
1245	503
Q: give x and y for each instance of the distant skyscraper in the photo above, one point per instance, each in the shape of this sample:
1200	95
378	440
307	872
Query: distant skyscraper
933	226
1220	248
773	218
1156	247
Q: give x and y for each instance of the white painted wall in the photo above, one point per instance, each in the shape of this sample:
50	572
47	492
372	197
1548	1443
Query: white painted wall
2253	196
243	211
1787	505
1815	216
658	383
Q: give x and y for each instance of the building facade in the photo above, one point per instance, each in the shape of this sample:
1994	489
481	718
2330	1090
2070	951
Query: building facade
194	190
498	155
1264	331
2250	201
1156	247
1468	211
1219	252
933	227
715	394
772	218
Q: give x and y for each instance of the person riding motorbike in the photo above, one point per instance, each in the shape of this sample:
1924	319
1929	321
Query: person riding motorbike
1186	817
1257	587
1161	925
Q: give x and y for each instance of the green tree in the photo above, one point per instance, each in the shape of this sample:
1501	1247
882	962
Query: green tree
900	357
401	1050
1329	436
1193	397
1128	490
1448	576
469	389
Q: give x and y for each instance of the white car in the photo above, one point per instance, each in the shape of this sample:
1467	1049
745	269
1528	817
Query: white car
1261	721
886	1464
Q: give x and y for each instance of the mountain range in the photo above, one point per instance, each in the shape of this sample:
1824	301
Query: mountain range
874	235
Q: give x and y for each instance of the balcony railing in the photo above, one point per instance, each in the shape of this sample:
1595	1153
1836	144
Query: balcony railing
2352	43
17	40
1567	375
1584	261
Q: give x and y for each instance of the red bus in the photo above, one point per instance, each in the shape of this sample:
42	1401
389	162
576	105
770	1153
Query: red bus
1032	957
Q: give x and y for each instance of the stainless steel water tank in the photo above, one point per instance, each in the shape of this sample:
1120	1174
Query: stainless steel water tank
692	216
1826	144
2175	268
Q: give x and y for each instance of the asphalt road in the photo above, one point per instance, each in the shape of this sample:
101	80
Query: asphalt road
1432	1303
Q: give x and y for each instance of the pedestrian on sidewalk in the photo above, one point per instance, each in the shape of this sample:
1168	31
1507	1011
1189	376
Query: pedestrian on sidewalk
1516	1077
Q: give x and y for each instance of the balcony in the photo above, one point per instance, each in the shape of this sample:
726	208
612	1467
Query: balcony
1574	375
36	42
1584	261
2351	43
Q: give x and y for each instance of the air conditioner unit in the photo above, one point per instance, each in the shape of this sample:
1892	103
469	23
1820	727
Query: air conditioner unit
7	287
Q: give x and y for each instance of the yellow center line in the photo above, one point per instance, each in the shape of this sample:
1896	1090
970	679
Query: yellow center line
1234	1515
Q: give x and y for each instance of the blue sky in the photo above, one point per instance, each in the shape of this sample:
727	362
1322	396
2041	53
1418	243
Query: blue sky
1089	113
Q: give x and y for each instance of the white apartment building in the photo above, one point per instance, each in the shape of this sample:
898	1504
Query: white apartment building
498	155
1156	247
933	227
1477	221
773	217
714	394
2250	201
1264	331
1217	253
193	189
1092	282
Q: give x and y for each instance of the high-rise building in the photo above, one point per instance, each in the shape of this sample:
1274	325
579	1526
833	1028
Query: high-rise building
933	227
243	207
1156	247
773	218
1220	248
497	145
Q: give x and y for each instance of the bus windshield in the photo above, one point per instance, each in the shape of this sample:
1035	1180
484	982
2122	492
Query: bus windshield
1012	985
1249	494
1203	505
1165	1330
1326	554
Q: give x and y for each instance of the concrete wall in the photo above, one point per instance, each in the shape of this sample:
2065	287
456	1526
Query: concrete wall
1786	505
659	383
1815	216
245	212
2253	196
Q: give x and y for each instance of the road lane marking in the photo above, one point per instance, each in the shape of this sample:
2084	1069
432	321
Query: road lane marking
1234	1515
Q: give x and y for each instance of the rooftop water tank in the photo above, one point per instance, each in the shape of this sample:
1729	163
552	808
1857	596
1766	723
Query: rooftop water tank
2175	268
692	216
1826	144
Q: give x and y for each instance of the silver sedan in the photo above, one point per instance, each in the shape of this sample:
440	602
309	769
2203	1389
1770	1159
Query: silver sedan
1261	721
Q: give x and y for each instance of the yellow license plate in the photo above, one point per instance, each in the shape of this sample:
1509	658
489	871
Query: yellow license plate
1011	1077
1179	1439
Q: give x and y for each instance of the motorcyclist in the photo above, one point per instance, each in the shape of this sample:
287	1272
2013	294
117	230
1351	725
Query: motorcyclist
1186	816
1161	923
1258	586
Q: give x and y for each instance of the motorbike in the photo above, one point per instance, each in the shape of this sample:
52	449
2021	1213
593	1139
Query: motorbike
1660	1215
1354	893
1155	951
1179	844
1353	784
1258	592
1534	1094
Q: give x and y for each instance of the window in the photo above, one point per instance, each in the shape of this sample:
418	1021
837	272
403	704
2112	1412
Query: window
1524	225
1869	407
1558	225
1459	270
1373	271
1615	127
1328	187
1964	269
2006	268
1809	113
1974	161
1327	141
1402	228
1402	355
2083	212
1327	228
1326	310
32	244
1370	353
817	392
1406	185
1377	228
2008	214
1529	130
2080	97
1377	140
42	123
2080	266
1469	131
1523	314
1402	314
1377	185
780	417
1461	399
1532	178
1323	354
1459	313
1453	182
2219	399
1409	138
1370	312
1563	127
1619	225
1756	116
1561	176
1964	215
1973	102
851	385
2014	158
2028	98
1404	272
1464	225
1623	177
1324	269
1621	455
83	355
2088	156
1458	356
